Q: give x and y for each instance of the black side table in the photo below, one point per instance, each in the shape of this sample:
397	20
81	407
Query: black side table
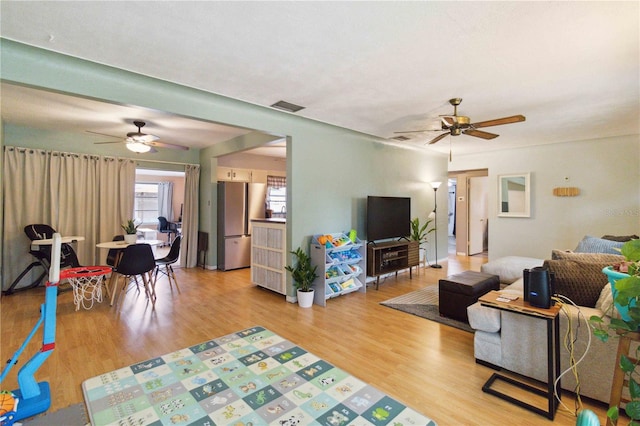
550	316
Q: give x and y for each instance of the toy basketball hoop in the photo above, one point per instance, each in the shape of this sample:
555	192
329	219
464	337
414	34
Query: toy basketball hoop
87	284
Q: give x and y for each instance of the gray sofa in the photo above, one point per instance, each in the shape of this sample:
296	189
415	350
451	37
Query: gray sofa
519	343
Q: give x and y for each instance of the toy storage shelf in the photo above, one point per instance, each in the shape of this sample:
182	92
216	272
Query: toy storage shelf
340	267
391	256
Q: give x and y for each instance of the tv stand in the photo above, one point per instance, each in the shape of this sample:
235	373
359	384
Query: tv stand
391	256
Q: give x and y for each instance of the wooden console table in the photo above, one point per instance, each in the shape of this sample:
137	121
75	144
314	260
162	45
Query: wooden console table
550	316
391	256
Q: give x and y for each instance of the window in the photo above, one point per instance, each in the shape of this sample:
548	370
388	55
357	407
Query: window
145	208
277	195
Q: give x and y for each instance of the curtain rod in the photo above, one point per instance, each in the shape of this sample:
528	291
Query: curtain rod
164	162
98	155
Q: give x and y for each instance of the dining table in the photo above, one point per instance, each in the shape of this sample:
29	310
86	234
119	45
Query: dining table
120	246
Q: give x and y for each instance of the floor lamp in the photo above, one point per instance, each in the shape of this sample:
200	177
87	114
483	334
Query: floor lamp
434	215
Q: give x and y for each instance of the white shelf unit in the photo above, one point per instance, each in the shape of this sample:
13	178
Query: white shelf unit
341	268
268	255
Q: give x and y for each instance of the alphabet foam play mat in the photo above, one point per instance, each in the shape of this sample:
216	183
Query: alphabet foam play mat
251	377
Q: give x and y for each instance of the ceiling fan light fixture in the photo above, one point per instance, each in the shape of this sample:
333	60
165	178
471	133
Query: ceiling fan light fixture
137	147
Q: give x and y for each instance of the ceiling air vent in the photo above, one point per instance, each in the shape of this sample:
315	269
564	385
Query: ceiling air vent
287	106
400	138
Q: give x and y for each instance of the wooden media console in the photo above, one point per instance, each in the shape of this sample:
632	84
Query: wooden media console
391	256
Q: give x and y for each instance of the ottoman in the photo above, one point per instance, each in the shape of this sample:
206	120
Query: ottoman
458	291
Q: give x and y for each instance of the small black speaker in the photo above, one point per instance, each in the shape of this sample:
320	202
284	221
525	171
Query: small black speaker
539	287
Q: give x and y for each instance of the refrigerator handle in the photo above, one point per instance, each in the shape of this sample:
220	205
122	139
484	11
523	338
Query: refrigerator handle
246	209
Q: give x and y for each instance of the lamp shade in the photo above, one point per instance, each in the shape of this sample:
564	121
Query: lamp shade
138	147
435	185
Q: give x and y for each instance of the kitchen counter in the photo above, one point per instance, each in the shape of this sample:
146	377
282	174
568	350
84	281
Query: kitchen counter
270	220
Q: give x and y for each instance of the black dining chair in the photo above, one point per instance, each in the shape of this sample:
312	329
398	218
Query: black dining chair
137	260
167	261
112	255
166	227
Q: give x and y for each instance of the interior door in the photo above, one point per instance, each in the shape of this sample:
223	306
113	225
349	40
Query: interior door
477	188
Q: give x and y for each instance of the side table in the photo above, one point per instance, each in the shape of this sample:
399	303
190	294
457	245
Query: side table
619	382
550	316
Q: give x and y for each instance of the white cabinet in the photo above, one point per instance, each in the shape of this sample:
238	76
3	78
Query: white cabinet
268	254
340	266
259	176
238	175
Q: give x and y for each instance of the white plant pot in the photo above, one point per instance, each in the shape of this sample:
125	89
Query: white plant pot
305	298
130	238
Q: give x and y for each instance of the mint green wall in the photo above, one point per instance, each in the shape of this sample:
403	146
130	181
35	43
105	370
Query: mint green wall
330	170
607	172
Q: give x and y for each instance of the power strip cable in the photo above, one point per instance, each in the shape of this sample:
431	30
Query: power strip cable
569	341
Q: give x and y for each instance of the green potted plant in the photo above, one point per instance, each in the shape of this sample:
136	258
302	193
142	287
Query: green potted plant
303	275
131	230
419	232
624	279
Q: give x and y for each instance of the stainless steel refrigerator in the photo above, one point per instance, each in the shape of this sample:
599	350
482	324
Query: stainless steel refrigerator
238	203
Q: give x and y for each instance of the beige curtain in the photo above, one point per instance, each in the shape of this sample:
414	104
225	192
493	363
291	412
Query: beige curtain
77	194
26	201
73	200
190	217
116	195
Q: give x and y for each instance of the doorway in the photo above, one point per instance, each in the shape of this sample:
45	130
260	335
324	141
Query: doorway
468	212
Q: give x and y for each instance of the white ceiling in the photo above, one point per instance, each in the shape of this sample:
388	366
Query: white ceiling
572	68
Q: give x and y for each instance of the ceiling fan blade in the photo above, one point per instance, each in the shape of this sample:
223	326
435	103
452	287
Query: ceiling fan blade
480	134
102	134
499	121
167	145
148	138
447	121
100	143
141	137
437	138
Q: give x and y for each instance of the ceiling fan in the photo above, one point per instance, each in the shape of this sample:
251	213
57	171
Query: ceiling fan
142	142
456	125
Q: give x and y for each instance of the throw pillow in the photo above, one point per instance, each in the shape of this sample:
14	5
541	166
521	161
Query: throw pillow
599	258
620	238
578	276
605	303
598	245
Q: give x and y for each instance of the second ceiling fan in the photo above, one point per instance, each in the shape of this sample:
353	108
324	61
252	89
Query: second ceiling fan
456	125
142	142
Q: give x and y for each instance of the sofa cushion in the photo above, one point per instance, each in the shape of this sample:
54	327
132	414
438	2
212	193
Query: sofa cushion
578	276
510	268
483	318
598	245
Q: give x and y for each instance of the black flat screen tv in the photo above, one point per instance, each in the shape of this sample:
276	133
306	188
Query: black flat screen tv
388	217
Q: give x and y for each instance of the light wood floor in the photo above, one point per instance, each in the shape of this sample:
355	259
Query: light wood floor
426	365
